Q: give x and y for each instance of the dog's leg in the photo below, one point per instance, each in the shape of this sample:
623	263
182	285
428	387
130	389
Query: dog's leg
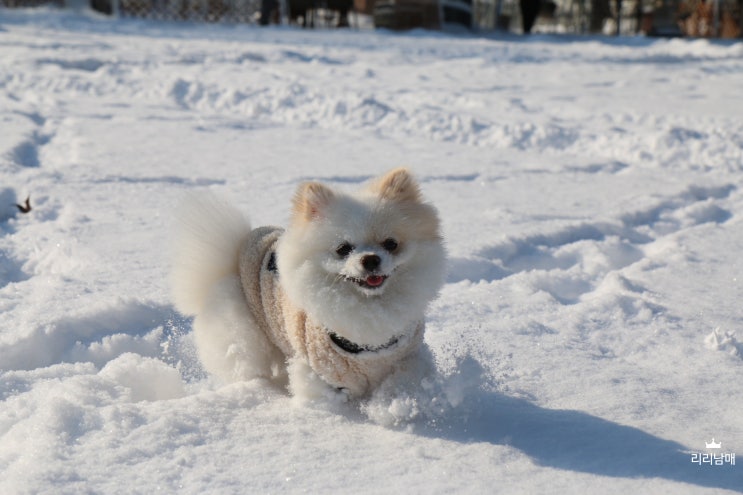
306	386
411	390
231	346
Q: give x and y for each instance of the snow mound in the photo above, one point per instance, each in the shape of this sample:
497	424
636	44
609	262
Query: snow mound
144	378
724	341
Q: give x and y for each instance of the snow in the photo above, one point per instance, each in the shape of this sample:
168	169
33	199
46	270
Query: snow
588	339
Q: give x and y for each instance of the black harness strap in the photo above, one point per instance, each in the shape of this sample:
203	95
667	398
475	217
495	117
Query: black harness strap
353	348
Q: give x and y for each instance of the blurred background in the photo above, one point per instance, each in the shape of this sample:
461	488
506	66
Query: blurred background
664	18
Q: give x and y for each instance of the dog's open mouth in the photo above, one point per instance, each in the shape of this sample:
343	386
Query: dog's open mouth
370	282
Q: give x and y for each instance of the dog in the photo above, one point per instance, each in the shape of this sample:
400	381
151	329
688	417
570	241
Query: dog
332	305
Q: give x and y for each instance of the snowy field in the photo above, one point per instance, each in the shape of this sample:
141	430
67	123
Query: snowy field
589	336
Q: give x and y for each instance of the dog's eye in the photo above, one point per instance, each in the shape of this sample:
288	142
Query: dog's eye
389	245
344	250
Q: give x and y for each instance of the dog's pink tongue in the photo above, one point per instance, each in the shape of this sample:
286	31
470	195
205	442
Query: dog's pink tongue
374	280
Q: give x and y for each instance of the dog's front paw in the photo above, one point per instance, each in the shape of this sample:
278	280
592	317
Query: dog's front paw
413	392
306	386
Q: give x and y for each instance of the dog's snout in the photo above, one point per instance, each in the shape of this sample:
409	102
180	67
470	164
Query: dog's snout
371	262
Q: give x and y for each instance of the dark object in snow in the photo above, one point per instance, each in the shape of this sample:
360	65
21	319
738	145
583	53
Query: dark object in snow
529	12
269	12
308	11
103	6
426	14
26	206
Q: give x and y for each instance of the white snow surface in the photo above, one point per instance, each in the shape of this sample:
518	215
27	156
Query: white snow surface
589	338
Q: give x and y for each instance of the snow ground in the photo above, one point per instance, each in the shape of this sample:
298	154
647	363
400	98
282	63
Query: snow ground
589	334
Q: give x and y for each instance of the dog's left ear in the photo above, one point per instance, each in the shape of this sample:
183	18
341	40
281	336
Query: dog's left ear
397	185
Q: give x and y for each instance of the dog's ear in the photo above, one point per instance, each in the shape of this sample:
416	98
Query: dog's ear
311	200
397	185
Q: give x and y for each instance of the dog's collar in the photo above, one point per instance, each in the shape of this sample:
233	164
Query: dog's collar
353	348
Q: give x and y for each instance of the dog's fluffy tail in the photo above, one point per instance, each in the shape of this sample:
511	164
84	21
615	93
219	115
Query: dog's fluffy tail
209	233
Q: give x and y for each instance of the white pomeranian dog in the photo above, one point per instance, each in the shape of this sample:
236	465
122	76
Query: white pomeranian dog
335	303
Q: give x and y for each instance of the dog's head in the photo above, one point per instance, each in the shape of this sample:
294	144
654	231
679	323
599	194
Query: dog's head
365	265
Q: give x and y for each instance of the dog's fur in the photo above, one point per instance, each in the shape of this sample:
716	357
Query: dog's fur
337	300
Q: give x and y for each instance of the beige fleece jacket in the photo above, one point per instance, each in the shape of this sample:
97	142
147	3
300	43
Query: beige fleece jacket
337	361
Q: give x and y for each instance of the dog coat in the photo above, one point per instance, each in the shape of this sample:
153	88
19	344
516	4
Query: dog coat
338	361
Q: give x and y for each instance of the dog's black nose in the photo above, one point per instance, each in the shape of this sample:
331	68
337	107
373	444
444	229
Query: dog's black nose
371	262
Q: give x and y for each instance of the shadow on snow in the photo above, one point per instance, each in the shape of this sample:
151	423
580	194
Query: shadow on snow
576	441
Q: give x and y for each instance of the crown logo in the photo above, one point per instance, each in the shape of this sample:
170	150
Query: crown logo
713	444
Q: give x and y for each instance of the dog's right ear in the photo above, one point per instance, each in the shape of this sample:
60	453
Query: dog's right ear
311	200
